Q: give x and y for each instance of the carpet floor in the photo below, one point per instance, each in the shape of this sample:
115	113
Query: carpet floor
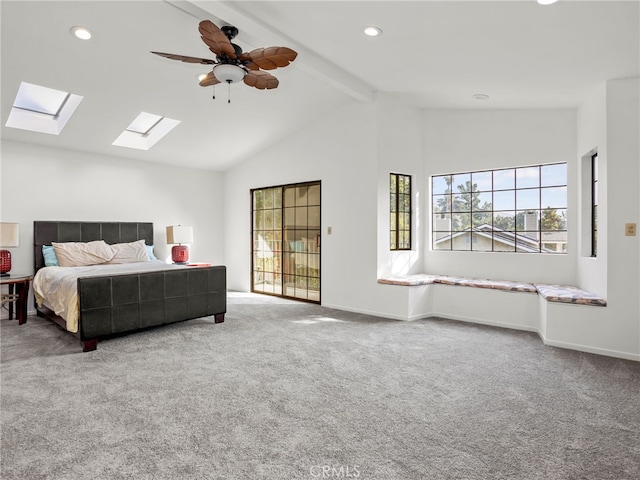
288	390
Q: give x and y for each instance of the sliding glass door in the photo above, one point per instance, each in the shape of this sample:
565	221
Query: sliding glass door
267	240
286	241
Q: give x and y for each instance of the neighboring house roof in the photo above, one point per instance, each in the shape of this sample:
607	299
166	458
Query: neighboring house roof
558	237
511	239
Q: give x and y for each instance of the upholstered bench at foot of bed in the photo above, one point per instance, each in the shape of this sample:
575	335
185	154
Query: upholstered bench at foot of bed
116	304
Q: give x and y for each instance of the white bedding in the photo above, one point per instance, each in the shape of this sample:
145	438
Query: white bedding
57	287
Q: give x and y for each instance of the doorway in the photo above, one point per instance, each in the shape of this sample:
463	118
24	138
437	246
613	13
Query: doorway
285	257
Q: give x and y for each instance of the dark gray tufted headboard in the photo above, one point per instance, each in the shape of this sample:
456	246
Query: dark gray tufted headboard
45	232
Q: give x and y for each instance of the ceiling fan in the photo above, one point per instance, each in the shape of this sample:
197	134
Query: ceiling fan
232	64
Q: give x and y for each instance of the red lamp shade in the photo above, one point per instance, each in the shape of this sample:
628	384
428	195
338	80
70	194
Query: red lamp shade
180	254
5	262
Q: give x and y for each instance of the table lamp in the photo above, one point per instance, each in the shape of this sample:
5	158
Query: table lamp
179	234
9	234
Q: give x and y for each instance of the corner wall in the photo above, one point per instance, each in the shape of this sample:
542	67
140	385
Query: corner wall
400	150
609	120
591	138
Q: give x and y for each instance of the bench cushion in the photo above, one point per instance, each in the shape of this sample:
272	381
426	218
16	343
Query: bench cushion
505	285
408	280
551	293
428	279
569	294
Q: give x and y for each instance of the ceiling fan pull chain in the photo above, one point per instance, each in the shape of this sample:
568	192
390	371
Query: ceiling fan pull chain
214	92
229	87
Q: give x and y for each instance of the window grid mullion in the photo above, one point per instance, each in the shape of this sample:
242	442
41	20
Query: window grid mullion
523	226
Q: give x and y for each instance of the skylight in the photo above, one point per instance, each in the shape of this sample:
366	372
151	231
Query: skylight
42	109
145	130
144	123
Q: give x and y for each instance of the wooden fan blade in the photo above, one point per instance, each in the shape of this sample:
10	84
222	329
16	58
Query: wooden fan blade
270	58
209	80
250	65
261	80
215	39
182	58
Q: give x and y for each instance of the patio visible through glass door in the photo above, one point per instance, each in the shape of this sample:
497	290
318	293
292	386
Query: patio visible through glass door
286	241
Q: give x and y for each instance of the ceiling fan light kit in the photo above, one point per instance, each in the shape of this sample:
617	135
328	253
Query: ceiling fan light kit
232	64
228	73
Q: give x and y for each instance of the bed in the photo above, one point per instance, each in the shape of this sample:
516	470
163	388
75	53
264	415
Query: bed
117	299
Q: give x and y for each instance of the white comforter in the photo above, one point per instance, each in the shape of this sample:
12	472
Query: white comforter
57	287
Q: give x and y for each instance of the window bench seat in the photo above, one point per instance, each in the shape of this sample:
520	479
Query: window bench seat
551	293
569	294
427	279
562	315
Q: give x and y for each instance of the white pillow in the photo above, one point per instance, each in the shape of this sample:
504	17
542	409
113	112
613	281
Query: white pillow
80	254
131	252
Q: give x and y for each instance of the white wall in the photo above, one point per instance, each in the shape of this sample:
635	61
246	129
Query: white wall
623	252
340	151
467	140
41	183
609	120
399	150
592	137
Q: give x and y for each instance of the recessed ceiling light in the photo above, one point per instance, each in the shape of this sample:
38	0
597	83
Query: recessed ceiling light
372	31
81	32
201	76
481	96
546	2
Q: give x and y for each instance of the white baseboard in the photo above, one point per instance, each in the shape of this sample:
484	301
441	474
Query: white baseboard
551	343
588	349
481	321
392	316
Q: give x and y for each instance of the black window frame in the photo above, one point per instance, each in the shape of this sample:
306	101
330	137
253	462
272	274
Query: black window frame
453	210
594	204
401	205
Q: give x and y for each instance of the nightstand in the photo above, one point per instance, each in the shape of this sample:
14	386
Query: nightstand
18	293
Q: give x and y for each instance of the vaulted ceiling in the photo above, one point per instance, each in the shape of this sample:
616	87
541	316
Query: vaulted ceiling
432	54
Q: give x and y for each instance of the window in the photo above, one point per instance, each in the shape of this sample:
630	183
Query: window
286	241
594	205
42	109
145	130
400	212
521	209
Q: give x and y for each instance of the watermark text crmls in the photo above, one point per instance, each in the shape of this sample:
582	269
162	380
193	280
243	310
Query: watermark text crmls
335	471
